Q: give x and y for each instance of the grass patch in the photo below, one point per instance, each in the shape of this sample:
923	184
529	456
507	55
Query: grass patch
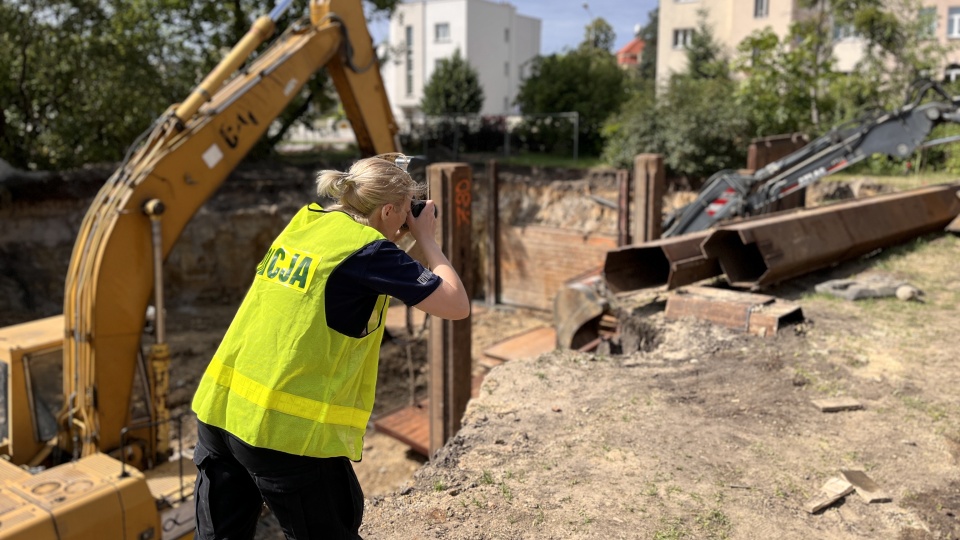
670	529
714	523
506	491
899	182
486	478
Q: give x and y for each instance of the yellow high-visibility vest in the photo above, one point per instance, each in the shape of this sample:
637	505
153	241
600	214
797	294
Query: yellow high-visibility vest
281	378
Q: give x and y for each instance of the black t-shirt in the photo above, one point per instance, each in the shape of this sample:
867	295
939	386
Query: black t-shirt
378	268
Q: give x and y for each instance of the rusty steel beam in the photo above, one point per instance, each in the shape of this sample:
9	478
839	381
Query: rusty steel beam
672	262
769	250
756	314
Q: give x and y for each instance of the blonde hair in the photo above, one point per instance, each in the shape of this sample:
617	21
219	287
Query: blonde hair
368	184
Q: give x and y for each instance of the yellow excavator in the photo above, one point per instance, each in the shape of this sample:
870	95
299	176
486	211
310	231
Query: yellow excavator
85	432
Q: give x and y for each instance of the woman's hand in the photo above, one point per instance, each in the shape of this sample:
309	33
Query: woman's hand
424	226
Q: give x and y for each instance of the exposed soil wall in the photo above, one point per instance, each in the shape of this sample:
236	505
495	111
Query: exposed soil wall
213	259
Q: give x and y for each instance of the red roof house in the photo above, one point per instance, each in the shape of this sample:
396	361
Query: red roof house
629	54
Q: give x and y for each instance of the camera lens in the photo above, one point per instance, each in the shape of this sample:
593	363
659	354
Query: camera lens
416	207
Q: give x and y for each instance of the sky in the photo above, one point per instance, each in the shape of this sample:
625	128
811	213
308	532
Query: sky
562	22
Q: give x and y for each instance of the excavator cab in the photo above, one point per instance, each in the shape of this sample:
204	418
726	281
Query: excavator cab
31	387
41	495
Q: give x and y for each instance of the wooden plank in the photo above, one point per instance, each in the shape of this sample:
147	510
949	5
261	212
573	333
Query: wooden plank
865	486
837	404
409	425
526	345
489	362
834	490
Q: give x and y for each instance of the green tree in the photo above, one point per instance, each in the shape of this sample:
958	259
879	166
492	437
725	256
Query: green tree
704	131
694	121
634	129
586	81
80	79
83	79
453	88
599	35
705	59
785	83
898	50
648	58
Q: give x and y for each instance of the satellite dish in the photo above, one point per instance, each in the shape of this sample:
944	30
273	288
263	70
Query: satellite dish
636	29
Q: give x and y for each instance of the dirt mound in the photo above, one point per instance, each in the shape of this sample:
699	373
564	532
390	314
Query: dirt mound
712	434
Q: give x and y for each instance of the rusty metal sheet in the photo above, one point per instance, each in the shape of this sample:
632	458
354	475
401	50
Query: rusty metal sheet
529	344
769	250
577	309
756	314
672	262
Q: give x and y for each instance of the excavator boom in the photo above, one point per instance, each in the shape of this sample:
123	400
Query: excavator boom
729	194
181	164
131	226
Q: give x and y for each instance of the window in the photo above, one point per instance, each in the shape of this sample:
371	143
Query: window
506	69
441	32
761	8
844	31
409	60
928	23
506	35
682	37
952	73
953	23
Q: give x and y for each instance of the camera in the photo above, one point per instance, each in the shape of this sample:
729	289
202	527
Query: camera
417	206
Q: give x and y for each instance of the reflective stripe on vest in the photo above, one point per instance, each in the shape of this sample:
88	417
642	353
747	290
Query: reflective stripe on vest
282	378
276	400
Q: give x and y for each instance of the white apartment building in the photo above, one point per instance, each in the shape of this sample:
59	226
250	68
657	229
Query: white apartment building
497	42
733	20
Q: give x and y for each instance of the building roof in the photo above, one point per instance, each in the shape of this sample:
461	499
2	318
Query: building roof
629	54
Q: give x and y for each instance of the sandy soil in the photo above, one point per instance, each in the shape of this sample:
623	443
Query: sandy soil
712	434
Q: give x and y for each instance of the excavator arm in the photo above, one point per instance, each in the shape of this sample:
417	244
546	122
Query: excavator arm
729	194
140	212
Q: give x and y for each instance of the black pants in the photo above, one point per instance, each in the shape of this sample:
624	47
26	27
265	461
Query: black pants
313	498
